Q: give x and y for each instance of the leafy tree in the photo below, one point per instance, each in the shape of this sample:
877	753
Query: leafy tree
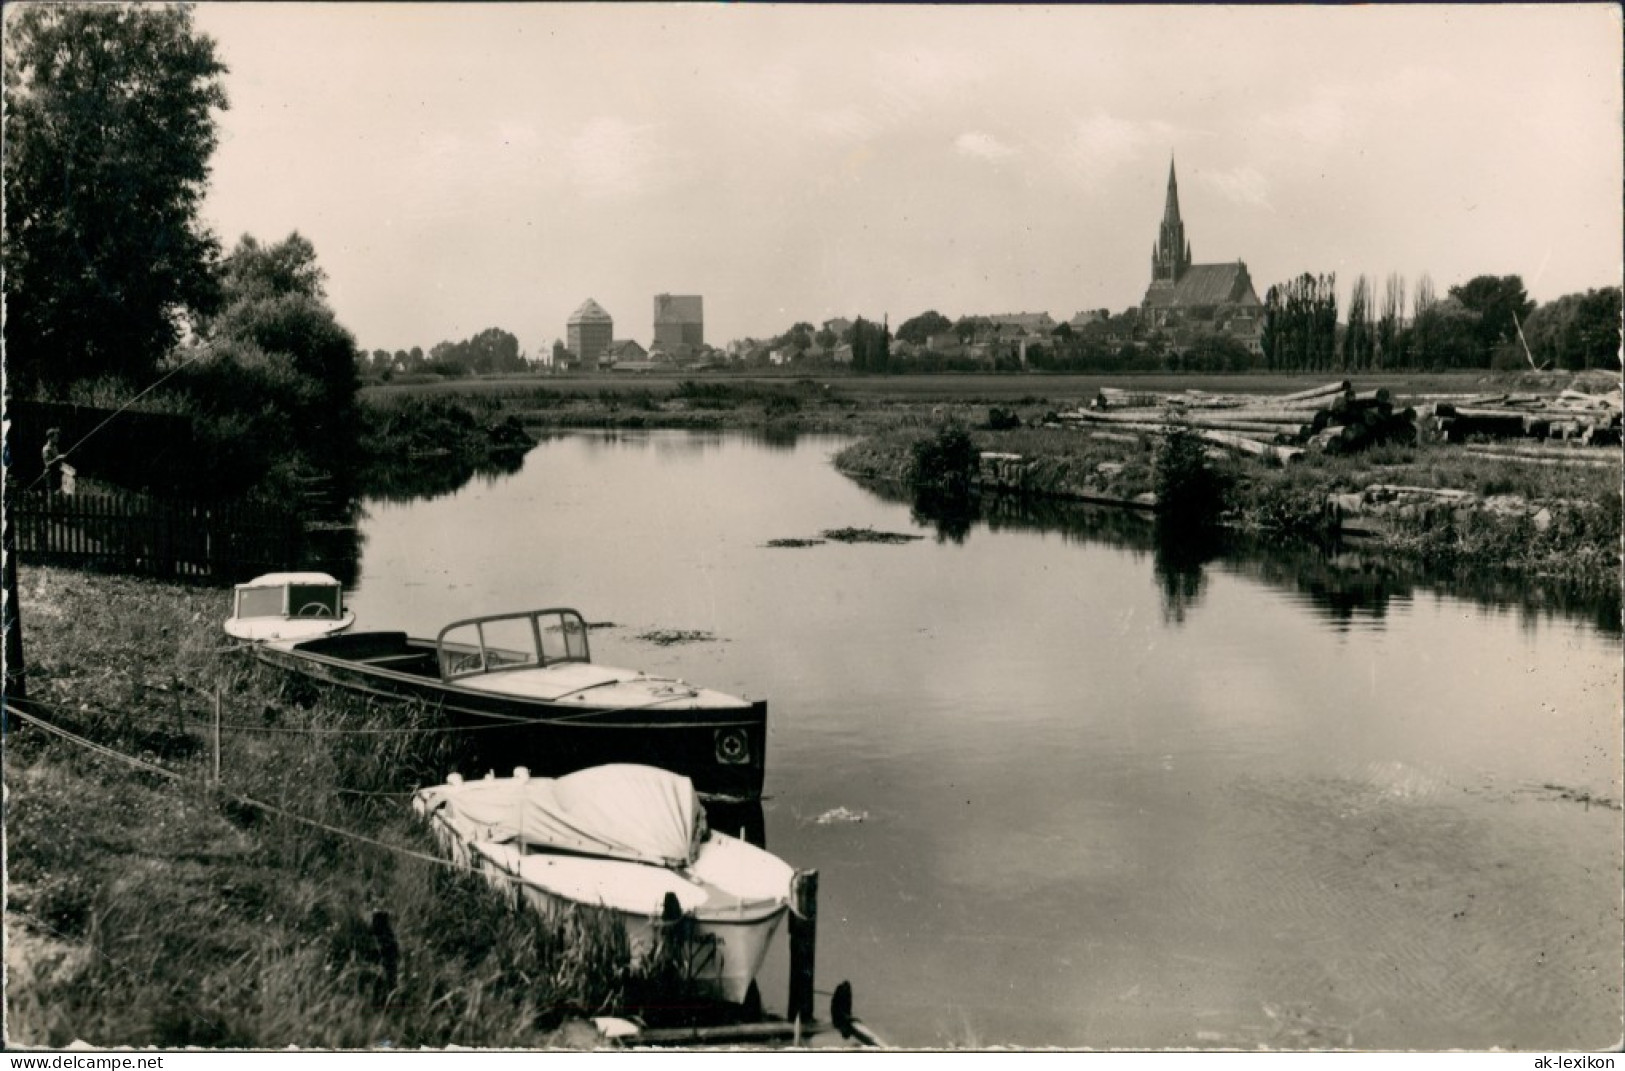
1500	303
968	327
1577	330
1212	352
919	329
1446	335
826	339
109	131
798	339
289	267
275	309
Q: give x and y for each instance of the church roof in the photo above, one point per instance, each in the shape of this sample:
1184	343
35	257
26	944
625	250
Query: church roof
590	312
1203	285
1033	323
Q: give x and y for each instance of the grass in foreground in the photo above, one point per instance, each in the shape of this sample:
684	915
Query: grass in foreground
147	911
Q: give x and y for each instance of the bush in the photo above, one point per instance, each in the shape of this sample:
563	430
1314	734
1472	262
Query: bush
1188	486
948	461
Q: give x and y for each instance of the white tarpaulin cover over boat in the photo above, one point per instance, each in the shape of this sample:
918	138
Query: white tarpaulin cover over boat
623	811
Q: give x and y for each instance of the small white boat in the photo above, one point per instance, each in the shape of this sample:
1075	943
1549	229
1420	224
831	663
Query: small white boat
288	606
628	839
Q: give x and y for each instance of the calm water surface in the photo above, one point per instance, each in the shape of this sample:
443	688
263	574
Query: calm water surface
1062	791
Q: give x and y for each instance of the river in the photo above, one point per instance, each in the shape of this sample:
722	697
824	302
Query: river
1064	788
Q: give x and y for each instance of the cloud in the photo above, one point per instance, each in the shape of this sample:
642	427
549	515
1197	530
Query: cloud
612	158
1323	121
1102	143
985	146
1241	185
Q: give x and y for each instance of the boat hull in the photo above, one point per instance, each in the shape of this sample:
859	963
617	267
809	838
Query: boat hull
718	742
714	906
724	945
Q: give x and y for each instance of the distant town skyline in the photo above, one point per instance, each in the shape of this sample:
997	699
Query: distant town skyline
459	167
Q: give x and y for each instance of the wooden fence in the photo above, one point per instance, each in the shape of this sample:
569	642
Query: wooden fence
155	536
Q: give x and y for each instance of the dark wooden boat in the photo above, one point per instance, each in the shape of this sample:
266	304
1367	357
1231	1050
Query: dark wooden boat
525	689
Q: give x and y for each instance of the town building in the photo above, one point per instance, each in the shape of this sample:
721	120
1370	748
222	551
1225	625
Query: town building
1032	324
1186	299
679	320
590	331
624	349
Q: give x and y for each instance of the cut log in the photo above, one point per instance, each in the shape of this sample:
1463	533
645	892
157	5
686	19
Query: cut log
1329	390
1583	459
1281	455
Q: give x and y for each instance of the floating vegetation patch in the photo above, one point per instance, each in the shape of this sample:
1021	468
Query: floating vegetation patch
665	637
602	624
868	535
1577	795
795	543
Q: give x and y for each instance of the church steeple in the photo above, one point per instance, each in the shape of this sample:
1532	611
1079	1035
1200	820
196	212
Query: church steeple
1172	253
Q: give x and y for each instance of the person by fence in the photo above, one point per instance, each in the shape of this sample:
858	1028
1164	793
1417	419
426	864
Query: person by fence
51	460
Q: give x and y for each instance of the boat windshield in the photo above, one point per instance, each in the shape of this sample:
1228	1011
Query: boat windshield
291	600
512	641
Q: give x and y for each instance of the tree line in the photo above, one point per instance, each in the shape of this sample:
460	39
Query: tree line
491	351
1487	322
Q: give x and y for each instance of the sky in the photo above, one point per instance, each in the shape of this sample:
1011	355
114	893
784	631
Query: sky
465	166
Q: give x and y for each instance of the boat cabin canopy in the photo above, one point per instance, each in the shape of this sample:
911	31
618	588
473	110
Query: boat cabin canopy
526	640
290	595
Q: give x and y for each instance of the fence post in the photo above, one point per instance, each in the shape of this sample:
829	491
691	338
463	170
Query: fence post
803	943
216	778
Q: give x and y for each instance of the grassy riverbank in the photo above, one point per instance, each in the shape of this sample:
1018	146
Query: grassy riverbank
1550	521
1547	520
298	903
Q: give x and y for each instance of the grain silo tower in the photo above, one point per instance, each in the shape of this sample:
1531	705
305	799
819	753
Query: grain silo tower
589	333
679	320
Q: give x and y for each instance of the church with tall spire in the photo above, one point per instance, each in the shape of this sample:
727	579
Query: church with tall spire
1184	298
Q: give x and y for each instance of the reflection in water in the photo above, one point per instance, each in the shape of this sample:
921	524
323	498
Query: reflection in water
1310	814
775	437
951	513
743	820
435	477
1181	552
1346	584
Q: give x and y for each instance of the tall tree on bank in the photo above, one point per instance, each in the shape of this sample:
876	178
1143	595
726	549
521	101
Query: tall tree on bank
1501	304
1359	340
109	130
1300	324
871	347
1391	323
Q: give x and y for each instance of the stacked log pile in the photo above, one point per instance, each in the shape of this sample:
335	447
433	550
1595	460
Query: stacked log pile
1383	508
1332	419
1572	417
